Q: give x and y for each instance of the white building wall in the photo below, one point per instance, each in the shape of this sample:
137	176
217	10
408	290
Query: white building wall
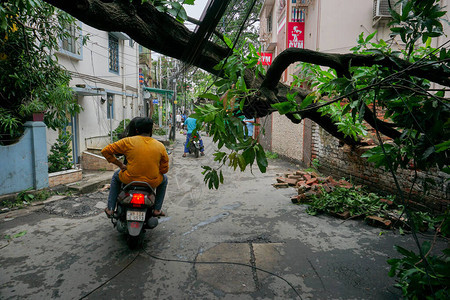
91	71
331	26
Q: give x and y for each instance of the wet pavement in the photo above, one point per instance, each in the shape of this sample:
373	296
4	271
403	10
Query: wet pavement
243	241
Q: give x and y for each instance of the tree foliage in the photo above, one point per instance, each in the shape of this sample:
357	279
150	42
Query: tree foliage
31	79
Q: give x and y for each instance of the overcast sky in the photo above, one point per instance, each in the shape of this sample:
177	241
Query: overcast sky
194	11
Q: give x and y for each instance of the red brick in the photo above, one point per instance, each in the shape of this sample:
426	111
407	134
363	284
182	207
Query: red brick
281	185
379	222
311	181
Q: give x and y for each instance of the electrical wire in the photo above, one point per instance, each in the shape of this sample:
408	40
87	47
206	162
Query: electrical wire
189	262
224	263
110	279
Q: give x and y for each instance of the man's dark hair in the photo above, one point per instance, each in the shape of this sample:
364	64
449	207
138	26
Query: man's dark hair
144	125
130	130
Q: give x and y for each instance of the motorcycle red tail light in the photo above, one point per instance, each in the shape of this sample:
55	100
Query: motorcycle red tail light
195	137
138	199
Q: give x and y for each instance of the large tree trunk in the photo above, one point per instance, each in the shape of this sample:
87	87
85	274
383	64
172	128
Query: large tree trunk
161	33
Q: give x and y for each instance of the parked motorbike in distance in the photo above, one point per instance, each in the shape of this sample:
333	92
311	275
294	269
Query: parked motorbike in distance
194	145
134	213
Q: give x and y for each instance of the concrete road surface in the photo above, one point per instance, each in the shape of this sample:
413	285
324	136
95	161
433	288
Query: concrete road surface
243	241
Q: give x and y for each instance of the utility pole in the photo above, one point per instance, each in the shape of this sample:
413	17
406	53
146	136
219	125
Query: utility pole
172	129
160	106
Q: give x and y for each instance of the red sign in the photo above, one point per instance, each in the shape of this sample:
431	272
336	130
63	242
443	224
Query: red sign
265	58
296	35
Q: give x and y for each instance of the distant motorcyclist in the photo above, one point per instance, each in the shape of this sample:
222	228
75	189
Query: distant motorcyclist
191	124
147	161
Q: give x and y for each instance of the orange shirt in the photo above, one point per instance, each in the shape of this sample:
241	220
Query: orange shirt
147	159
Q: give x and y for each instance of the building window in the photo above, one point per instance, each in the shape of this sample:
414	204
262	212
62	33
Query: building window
113	47
70	43
298	14
269	23
110	106
131	43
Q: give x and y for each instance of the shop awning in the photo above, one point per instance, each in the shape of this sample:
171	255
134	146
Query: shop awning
168	93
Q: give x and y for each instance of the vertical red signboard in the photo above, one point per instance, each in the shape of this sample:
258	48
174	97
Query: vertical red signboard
296	35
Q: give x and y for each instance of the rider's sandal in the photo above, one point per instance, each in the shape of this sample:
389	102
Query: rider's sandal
109	213
161	214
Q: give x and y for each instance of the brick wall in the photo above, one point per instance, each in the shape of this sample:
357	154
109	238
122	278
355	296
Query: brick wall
91	161
345	162
64	177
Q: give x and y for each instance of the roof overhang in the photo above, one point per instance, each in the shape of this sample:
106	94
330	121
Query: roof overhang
271	46
88	91
120	35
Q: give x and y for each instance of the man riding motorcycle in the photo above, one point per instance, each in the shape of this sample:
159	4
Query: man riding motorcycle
147	161
191	124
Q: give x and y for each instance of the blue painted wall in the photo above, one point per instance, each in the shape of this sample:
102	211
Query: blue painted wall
24	164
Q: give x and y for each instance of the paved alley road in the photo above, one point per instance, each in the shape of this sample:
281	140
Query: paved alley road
243	241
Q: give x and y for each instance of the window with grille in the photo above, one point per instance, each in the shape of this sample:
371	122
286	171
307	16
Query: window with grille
298	14
113	46
269	23
70	43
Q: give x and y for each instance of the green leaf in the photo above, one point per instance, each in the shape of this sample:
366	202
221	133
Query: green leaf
284	107
428	152
22	233
221	177
261	159
249	155
210	96
443	146
228	42
404	251
241	162
370	36
308	100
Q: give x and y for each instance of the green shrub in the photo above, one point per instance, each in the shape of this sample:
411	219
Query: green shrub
117	133
159	131
60	157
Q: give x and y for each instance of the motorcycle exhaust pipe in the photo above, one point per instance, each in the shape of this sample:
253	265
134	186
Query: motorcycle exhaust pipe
152	222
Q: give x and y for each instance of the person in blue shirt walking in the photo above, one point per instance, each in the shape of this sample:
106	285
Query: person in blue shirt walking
191	124
250	126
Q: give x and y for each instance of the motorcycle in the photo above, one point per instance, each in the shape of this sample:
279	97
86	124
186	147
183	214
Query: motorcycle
194	145
134	213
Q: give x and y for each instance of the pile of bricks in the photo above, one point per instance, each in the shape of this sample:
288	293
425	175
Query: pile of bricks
308	184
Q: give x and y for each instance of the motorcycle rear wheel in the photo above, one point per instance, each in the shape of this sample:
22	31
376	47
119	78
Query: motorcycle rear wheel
196	152
135	241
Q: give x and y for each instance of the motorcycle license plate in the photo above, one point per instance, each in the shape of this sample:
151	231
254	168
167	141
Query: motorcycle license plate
135	215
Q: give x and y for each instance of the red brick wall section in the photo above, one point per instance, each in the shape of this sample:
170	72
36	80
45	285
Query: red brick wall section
64	177
90	161
344	162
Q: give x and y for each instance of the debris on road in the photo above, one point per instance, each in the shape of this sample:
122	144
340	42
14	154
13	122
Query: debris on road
309	184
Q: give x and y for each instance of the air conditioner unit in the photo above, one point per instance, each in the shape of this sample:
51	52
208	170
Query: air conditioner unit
381	9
